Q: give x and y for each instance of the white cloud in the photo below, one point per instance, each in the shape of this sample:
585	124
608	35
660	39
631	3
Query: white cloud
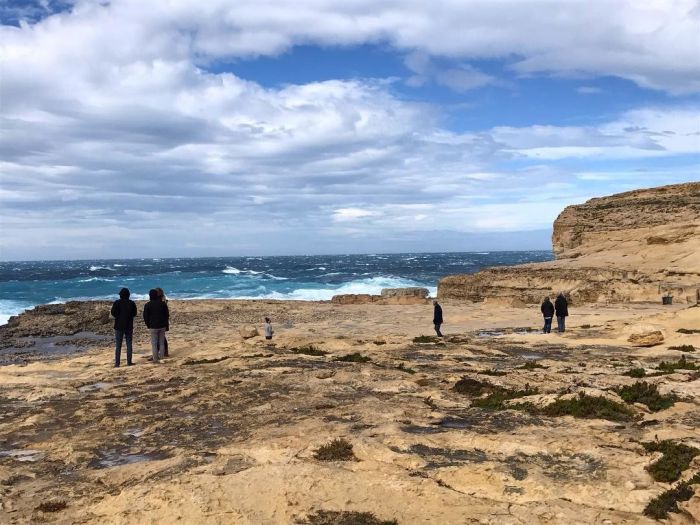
114	131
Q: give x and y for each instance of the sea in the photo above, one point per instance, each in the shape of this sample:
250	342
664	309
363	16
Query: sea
26	284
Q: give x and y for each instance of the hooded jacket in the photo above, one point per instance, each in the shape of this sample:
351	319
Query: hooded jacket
437	314
562	306
155	313
547	308
124	311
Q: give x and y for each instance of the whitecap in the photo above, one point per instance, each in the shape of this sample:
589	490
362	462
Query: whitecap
231	270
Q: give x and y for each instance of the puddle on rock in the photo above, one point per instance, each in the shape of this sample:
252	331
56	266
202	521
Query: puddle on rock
95	387
22	455
114	458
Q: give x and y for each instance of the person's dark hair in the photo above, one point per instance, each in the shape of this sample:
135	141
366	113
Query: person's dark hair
124	293
152	294
267	319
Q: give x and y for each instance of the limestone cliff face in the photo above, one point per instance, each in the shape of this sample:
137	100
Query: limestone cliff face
634	246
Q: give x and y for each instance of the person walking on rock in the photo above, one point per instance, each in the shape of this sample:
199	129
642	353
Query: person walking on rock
157	319
123	311
164	350
562	309
268	329
437	318
547	309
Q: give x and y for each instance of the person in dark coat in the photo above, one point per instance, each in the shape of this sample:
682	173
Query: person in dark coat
547	309
157	318
123	311
561	306
164	350
437	318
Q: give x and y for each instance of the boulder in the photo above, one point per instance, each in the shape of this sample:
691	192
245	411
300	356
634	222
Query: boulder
247	331
647	338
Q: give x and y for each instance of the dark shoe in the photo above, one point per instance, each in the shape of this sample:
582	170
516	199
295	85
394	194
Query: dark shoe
130	364
116	366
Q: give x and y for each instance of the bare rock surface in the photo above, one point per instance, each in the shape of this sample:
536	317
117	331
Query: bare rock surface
227	430
634	246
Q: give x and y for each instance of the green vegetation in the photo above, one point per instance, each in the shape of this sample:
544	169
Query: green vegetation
337	450
426	339
52	506
682	364
309	350
676	458
403	368
589	407
647	394
492	372
353	358
661	505
205	361
683	348
531	365
332	517
497	399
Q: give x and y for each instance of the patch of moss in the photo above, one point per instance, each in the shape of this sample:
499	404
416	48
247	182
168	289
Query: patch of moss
676	458
681	364
683	348
471	387
492	372
497	399
353	358
589	407
337	450
205	361
635	372
332	517
661	505
52	506
647	394
531	365
426	339
309	350
688	331
403	368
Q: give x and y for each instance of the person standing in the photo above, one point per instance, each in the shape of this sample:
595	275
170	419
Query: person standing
561	306
164	350
157	317
547	309
437	318
123	311
268	329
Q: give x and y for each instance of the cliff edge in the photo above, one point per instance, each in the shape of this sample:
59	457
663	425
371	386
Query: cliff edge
629	247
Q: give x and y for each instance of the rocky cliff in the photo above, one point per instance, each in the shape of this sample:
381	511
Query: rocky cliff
634	246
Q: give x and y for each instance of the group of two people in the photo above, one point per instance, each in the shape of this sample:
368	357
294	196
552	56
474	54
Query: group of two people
560	308
156	316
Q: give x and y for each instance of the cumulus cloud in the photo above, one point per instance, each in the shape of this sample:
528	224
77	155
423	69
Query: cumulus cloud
116	131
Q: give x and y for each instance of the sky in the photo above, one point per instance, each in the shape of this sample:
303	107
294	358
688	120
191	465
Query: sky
174	128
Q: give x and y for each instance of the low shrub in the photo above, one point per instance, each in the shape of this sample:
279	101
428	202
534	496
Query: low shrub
676	458
661	505
647	394
683	348
497	399
472	387
353	358
682	364
589	407
309	350
337	450
332	517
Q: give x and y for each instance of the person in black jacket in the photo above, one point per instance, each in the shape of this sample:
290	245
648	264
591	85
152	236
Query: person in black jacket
437	318
123	311
547	309
157	319
562	307
164	350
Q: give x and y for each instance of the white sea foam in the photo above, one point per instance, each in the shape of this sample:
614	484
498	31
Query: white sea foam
231	270
96	268
8	308
92	279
